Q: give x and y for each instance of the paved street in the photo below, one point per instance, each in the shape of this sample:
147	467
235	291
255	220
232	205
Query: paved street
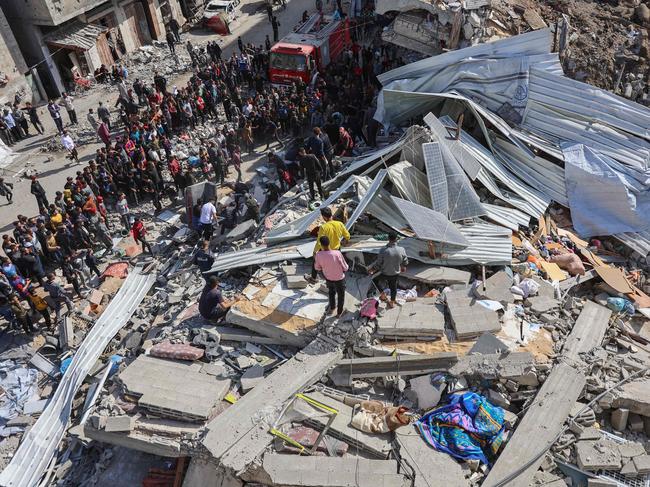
53	167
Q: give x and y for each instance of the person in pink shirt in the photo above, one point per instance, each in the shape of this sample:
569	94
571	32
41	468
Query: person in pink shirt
333	266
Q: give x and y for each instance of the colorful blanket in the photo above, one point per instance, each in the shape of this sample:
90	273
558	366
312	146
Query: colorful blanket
469	428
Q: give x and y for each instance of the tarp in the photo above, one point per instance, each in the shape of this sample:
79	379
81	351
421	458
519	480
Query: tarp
605	196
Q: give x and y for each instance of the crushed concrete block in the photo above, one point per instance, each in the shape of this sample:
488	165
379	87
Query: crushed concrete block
635	422
96	297
468	318
119	423
598	455
173	389
216	369
98	422
497	398
496	288
629	470
253	376
241	231
488	344
296	282
244	362
421	318
619	419
542	304
428	394
642	464
590	434
252	348
631	449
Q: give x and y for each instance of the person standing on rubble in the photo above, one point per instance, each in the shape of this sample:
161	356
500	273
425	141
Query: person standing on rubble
333	266
140	235
170	42
58	294
207	219
203	258
312	168
335	232
175	28
391	262
69	107
212	306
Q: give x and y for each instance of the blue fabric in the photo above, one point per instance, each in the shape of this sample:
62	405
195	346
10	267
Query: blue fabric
468	428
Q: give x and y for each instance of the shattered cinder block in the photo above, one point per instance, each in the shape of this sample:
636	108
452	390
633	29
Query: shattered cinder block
642	464
598	455
253	376
296	282
119	423
496	288
619	418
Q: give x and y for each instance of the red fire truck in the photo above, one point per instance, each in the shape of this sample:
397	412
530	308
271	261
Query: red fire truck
310	48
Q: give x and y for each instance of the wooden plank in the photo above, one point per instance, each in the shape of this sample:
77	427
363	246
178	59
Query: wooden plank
588	331
539	427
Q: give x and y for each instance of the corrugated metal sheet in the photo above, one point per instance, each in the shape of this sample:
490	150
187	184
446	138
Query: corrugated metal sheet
366	193
41	441
76	35
583	101
489	245
640	242
297	227
557	127
413	135
531	43
259	255
508	217
538	172
532	201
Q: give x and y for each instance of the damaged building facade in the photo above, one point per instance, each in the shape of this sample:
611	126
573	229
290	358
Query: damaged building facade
63	39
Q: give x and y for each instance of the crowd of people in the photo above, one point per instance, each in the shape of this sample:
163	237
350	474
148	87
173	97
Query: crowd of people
140	160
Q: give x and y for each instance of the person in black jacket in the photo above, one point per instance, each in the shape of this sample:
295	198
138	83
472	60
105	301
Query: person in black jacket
203	258
311	168
39	193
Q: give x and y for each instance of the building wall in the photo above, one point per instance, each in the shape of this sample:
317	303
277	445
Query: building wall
50	12
12	65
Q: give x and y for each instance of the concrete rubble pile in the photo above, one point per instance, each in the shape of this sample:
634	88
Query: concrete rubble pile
518	353
605	44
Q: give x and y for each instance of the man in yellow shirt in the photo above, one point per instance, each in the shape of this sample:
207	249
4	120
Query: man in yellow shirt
335	232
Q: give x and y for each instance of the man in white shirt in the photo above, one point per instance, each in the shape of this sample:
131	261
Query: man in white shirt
68	143
207	219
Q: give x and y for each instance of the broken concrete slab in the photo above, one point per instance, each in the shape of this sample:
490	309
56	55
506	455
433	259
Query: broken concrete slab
642	464
377	444
588	331
469	318
428	394
160	437
488	344
296	282
312	471
635	396
434	275
539	428
597	455
431	466
421	318
232	334
542	304
173	389
600	483
241	231
631	449
496	288
406	365
232	439
266	327
495	366
252	377
119	423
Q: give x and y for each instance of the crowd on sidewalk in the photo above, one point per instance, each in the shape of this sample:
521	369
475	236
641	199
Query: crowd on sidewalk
139	161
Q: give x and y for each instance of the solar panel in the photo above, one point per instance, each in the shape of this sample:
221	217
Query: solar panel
429	224
436	177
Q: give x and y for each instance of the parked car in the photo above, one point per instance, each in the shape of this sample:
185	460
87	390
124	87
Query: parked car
216	7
